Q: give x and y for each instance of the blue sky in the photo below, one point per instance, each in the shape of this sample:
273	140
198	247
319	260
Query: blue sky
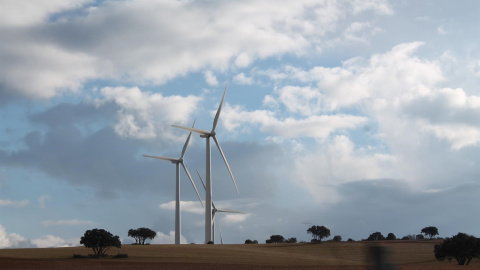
362	116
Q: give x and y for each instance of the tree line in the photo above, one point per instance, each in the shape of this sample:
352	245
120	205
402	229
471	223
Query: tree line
461	247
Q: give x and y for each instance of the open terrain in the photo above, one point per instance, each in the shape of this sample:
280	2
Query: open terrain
344	255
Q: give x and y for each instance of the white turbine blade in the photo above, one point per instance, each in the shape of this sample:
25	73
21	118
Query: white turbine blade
201	179
196	130
188	139
221	237
226	162
193	184
162	158
213	206
229	211
215	121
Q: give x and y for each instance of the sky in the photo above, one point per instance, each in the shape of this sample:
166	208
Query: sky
360	115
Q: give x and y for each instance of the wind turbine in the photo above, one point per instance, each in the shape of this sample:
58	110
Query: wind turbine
208	196
214	211
177	162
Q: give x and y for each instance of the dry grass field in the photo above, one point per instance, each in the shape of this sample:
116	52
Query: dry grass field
345	255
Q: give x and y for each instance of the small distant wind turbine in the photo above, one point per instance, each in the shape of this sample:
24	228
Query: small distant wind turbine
221	237
177	162
214	211
208	197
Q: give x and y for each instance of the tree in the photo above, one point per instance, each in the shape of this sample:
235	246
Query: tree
275	239
430	231
391	236
141	234
248	241
376	236
461	247
100	241
337	238
318	232
291	240
409	237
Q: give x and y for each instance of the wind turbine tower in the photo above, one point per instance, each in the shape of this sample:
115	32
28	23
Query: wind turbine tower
208	196
178	162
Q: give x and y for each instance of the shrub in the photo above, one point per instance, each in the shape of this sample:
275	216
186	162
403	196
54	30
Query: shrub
121	255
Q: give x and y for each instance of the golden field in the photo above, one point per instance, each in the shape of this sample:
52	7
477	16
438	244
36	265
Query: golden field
329	255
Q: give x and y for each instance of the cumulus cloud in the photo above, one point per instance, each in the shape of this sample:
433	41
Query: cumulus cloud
320	172
12	240
187	206
69	222
210	78
14	203
233	218
46	57
54	241
314	126
169	238
15	13
242	79
145	115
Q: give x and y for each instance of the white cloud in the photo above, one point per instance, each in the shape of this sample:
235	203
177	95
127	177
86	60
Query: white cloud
186	206
210	78
14	203
108	41
144	115
243	60
27	12
316	126
69	222
12	240
233	218
42	71
242	79
338	162
169	238
459	136
54	241
379	6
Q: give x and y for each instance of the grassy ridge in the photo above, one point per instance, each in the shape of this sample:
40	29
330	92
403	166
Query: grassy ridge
344	255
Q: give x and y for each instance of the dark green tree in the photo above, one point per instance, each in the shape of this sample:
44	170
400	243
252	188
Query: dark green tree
376	236
291	240
141	234
318	232
430	231
391	236
461	247
337	238
275	239
100	241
